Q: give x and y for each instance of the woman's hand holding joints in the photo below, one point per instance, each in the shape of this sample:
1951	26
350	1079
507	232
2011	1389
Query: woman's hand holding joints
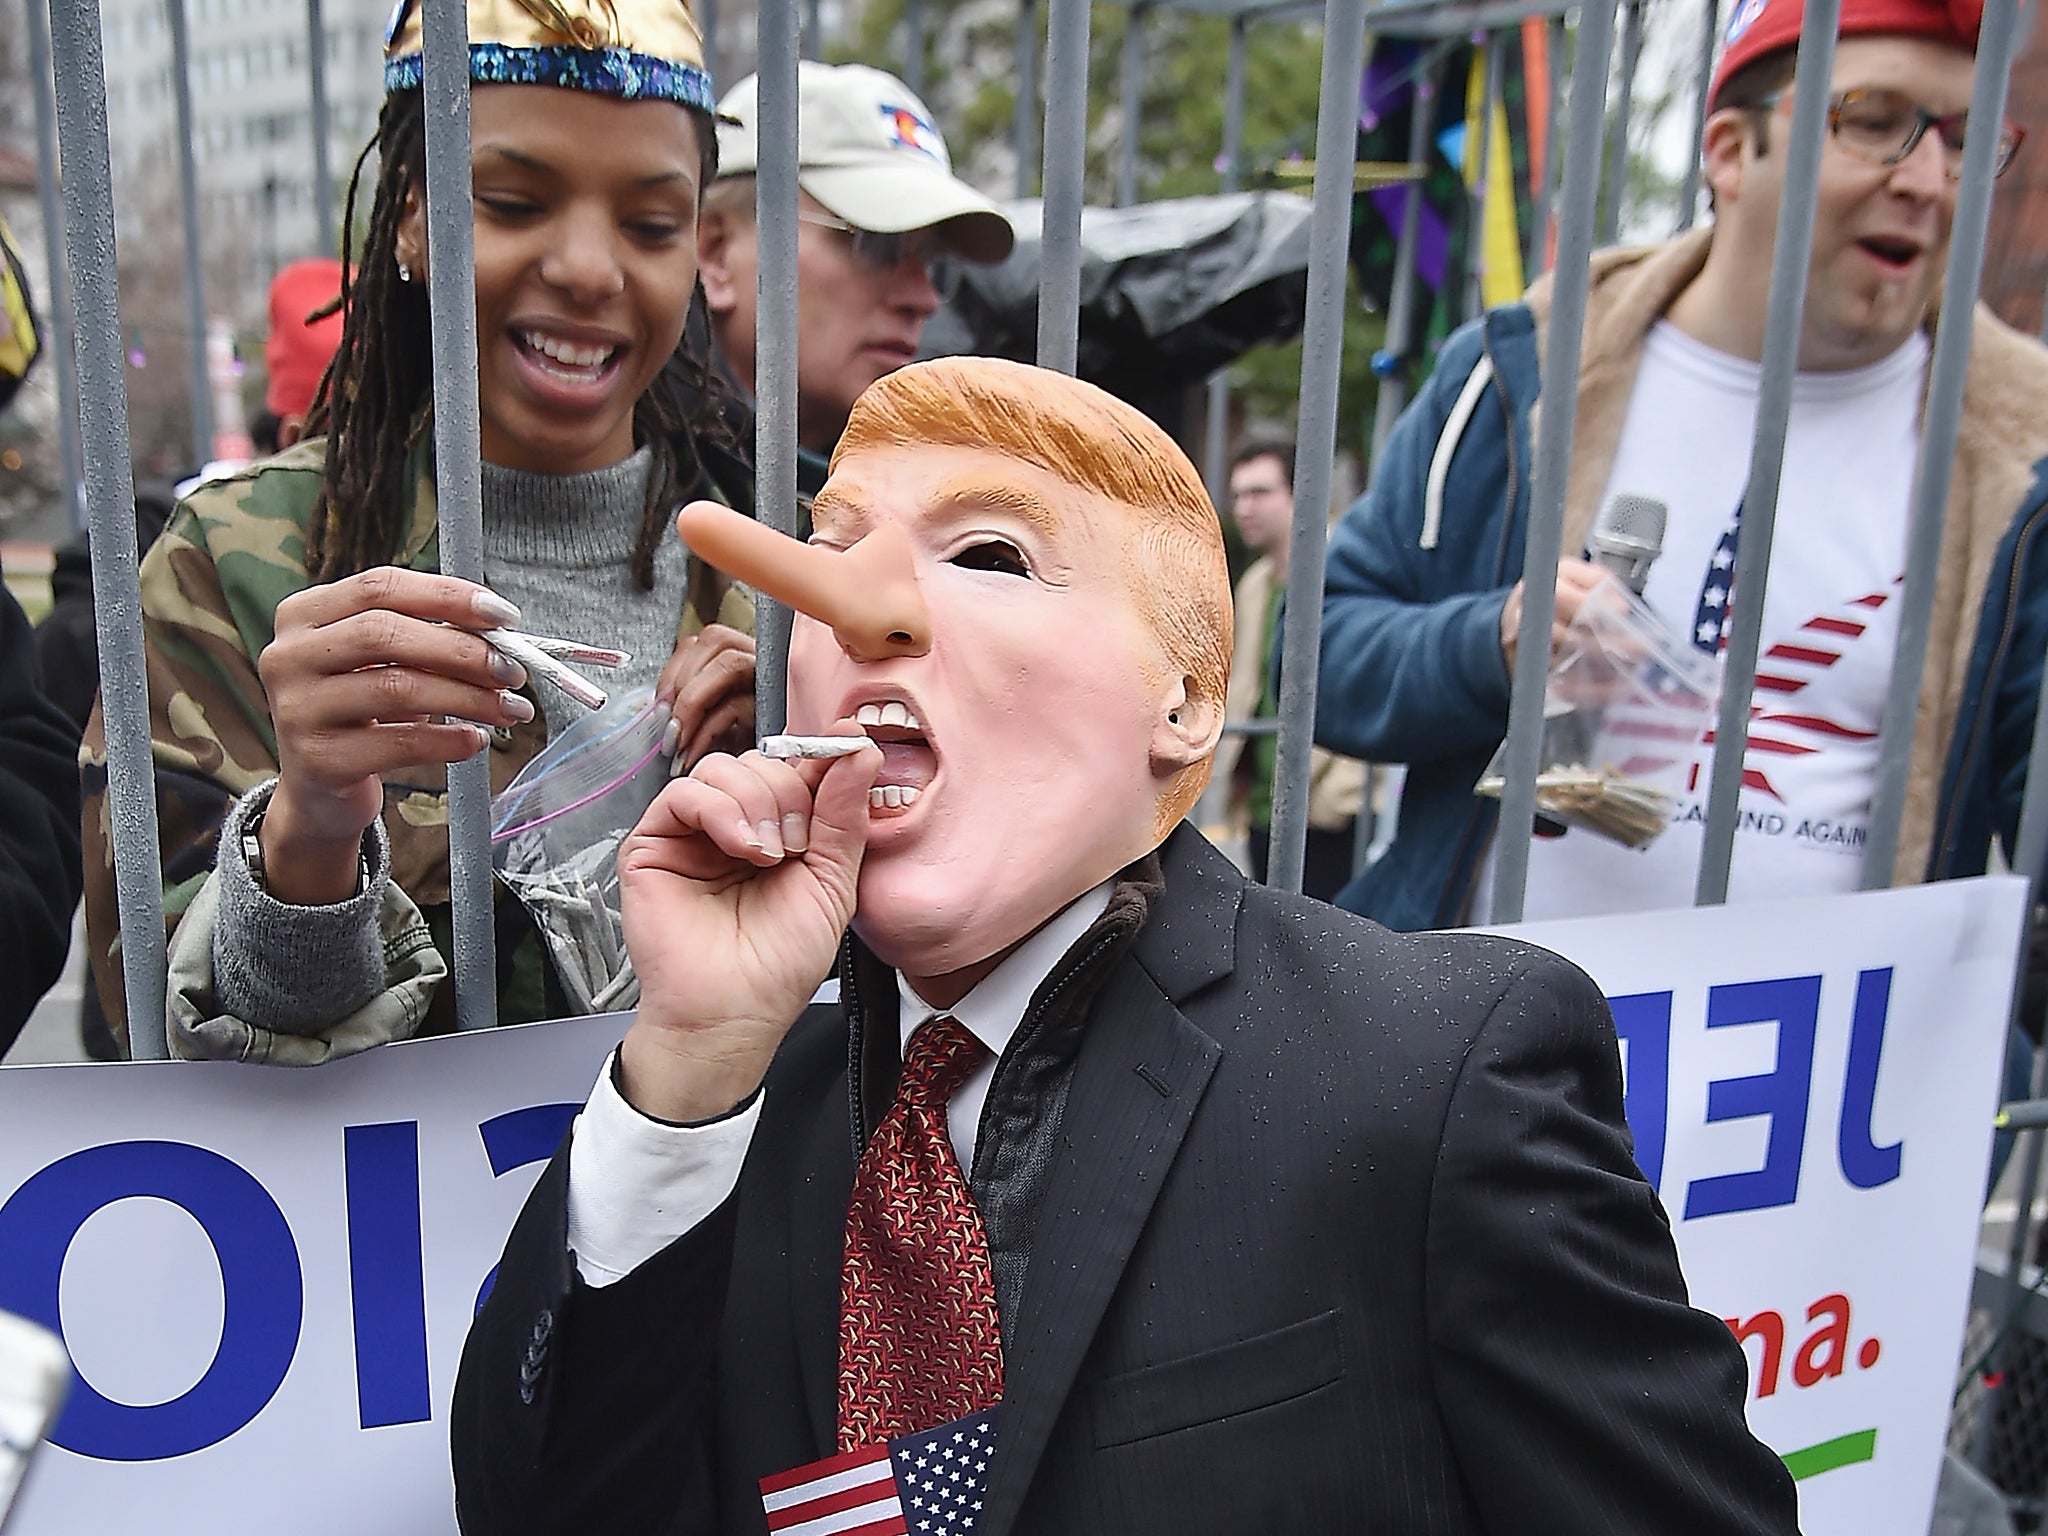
367	675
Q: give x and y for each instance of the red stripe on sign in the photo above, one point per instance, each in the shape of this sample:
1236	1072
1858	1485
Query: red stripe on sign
1835	626
1774	684
1871	600
845	1461
1785	652
832	1503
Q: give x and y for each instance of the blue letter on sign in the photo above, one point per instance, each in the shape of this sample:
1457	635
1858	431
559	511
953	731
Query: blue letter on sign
1864	1163
259	1269
1643	1021
515	1139
1793	1002
387	1283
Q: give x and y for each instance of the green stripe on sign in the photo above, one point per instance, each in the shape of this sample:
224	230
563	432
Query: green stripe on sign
1843	1451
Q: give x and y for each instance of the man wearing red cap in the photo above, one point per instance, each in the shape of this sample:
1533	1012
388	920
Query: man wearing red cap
1422	608
299	347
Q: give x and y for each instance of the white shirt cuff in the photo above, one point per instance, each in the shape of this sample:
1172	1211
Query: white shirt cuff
636	1185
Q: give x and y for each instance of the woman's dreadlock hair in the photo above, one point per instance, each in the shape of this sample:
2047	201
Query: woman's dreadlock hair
371	399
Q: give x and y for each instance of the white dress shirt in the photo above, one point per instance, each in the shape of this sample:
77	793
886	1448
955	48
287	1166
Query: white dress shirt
636	1184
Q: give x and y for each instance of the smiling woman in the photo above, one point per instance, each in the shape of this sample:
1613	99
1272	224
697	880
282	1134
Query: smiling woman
312	673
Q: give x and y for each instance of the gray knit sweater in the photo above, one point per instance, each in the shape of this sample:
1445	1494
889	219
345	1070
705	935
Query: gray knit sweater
559	546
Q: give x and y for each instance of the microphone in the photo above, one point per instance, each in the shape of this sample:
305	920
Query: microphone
1627	535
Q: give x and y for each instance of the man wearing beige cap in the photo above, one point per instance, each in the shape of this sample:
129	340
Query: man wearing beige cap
879	206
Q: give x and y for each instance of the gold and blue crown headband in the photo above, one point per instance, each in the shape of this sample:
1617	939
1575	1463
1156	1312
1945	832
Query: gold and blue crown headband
636	50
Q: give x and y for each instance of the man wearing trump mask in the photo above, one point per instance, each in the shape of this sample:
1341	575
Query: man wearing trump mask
1174	1203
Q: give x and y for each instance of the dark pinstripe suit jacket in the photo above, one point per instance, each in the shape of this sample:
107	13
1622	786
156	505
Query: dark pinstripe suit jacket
1341	1233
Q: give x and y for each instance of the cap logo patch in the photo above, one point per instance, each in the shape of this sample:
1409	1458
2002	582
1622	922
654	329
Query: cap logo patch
906	130
1744	17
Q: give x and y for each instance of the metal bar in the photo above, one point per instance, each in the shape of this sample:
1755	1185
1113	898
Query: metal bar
913	46
1689	197
323	133
1315	450
707	17
1789	259
1617	124
195	259
1133	106
2036	1143
814	31
57	303
2022	1115
1553	162
1938	423
1066	140
1545	530
2031	850
1476	189
1400	332
458	474
81	108
1024	122
775	424
1216	448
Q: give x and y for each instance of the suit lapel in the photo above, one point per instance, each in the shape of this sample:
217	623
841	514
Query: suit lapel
818	1225
1141	1073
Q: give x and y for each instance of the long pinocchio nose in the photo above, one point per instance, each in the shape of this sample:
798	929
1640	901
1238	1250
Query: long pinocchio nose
867	594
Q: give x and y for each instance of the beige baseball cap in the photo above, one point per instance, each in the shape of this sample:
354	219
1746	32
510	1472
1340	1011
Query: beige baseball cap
867	150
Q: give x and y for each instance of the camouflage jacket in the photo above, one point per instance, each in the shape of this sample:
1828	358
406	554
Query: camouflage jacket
233	550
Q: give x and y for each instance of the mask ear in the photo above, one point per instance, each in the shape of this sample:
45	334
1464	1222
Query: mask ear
1187	731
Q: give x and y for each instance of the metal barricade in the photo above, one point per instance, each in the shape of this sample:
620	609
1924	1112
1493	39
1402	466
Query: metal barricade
73	120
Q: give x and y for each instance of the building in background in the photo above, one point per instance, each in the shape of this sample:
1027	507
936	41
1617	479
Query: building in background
251	121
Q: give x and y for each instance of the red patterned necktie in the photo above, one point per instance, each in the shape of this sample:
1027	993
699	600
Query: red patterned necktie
919	1340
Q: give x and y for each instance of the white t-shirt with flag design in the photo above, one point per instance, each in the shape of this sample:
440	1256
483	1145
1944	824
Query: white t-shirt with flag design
1830	617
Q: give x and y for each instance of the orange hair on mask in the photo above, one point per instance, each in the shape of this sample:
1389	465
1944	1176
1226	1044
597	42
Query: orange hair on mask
1178	574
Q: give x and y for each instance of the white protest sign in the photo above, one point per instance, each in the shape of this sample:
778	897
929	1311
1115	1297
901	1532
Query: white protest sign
265	1275
1811	1085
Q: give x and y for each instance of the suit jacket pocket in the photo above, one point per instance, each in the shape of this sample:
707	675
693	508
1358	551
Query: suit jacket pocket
1231	1379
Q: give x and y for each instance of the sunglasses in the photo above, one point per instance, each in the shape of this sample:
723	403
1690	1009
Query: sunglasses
1883	127
879	252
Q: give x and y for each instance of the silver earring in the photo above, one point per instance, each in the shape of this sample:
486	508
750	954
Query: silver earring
404	273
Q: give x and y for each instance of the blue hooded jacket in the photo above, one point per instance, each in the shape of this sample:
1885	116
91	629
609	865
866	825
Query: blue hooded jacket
1420	567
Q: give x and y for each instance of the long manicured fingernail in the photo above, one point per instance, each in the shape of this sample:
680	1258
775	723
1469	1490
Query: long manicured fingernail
494	610
507	671
517	705
669	735
770	836
796	831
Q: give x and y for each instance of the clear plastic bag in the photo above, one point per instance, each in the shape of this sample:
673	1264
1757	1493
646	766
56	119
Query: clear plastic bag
555	835
1624	710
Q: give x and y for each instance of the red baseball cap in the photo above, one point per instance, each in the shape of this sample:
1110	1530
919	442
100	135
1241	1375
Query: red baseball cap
1759	27
298	350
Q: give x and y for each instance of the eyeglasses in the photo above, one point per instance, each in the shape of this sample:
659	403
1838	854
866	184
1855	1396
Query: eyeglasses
1883	127
878	251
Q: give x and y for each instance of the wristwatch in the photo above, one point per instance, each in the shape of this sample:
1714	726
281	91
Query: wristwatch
252	855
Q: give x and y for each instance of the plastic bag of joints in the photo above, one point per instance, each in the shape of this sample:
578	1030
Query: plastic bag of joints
1624	710
555	836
